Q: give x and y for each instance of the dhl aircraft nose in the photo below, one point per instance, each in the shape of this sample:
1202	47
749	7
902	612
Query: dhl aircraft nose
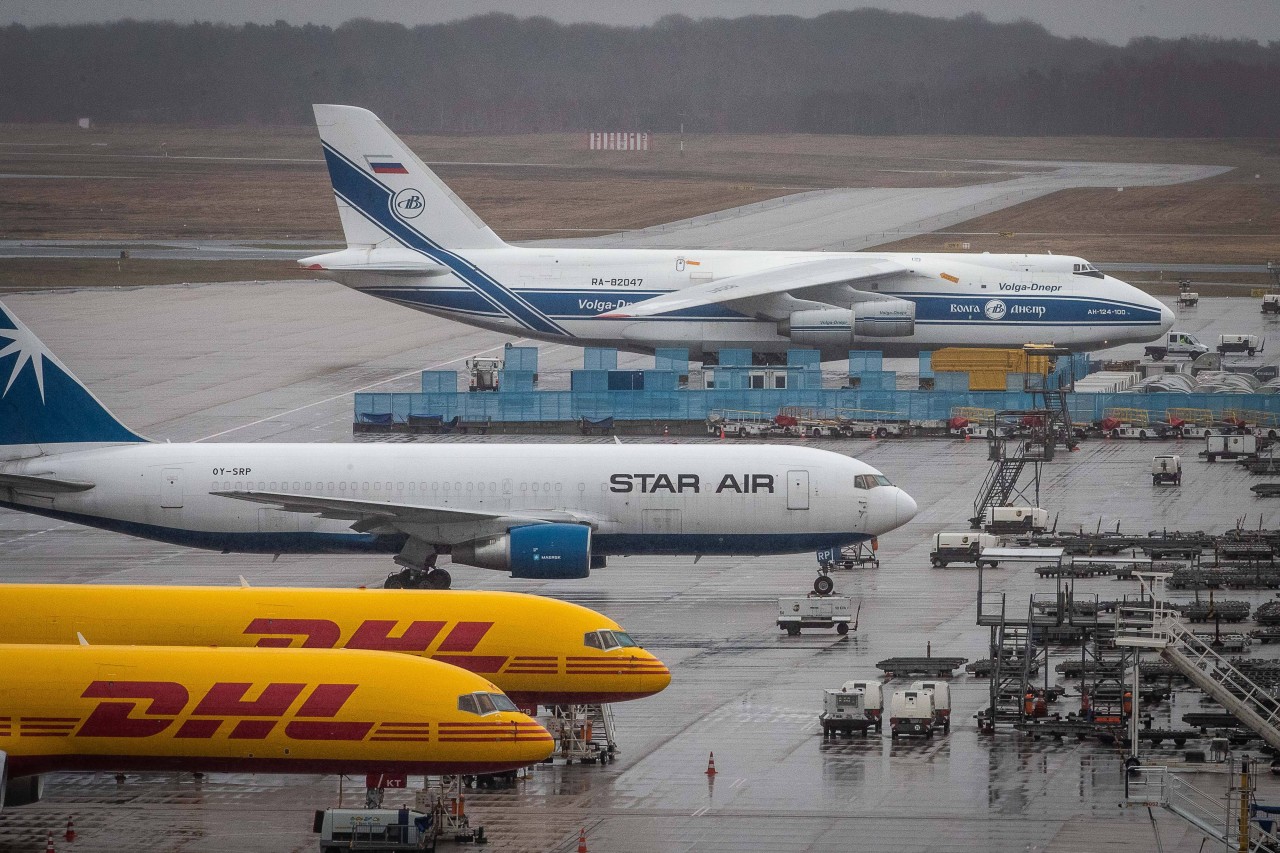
531	743
656	678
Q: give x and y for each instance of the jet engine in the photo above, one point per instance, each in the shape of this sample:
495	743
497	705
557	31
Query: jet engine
840	327
535	551
18	792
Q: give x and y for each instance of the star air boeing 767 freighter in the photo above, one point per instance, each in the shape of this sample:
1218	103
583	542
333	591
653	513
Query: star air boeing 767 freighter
535	510
412	241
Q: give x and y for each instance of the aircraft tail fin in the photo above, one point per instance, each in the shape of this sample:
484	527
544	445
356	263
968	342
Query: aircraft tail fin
386	196
42	403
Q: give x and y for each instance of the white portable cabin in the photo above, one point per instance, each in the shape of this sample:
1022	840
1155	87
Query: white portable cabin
873	698
941	700
911	712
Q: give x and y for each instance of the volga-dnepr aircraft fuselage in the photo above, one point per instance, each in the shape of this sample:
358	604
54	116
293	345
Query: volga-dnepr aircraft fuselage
412	241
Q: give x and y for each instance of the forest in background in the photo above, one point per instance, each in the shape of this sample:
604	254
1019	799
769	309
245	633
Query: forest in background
860	72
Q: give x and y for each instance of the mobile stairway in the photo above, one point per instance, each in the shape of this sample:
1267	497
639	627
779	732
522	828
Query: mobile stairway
1229	820
1164	631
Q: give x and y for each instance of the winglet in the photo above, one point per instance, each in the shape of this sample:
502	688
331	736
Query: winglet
81	639
244	584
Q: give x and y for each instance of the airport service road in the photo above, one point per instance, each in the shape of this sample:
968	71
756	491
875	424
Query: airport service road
186	362
851	219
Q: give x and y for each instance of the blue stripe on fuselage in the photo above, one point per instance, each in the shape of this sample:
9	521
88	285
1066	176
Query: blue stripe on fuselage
931	309
374	201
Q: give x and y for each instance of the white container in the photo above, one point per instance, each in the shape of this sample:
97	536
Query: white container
941	691
873	698
911	712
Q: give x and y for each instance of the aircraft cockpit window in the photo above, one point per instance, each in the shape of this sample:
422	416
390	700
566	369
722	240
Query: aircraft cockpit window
502	703
870	481
608	642
624	640
591	640
1086	269
485	703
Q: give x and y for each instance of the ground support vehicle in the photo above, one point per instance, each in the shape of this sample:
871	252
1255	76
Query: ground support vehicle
740	424
815	611
961	547
1232	447
911	712
941	701
376	830
1177	345
1166	468
873	699
1015	519
844	712
1250	344
1271	303
849	557
930	665
1188	299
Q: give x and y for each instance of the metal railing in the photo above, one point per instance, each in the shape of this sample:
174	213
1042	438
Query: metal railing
1216	816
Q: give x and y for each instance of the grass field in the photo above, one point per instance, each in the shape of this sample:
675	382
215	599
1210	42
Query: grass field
268	184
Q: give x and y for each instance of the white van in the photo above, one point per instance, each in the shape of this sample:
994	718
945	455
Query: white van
911	713
941	701
874	702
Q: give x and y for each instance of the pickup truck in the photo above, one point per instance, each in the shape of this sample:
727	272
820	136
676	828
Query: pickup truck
1177	344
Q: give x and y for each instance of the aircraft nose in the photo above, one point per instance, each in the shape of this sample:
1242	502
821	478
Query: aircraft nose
904	509
1166	318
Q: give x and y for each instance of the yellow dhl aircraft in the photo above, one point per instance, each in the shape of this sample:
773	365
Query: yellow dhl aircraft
539	651
250	710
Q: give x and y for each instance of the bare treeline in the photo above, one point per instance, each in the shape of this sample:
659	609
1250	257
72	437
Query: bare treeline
866	71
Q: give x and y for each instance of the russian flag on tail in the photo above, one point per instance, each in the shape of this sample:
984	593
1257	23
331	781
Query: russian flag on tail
384	165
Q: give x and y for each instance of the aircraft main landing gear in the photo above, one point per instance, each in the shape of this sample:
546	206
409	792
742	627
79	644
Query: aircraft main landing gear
415	578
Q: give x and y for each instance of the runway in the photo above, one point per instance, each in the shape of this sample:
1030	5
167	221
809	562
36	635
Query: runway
277	362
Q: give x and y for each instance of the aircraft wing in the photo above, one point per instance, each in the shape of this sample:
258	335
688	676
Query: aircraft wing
42	484
822	280
439	525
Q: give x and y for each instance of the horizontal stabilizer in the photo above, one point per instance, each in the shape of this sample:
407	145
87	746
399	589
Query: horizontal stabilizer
43	485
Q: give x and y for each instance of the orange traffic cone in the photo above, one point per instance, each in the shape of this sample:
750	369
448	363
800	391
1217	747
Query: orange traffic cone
70	834
48	847
582	840
711	764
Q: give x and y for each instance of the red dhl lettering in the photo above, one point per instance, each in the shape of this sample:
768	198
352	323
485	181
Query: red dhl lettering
374	634
140	709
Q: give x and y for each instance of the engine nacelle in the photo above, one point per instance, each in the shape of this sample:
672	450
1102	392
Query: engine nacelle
840	327
18	792
536	551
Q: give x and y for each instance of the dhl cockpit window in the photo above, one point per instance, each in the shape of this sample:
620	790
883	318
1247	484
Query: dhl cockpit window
485	703
870	481
608	640
1086	269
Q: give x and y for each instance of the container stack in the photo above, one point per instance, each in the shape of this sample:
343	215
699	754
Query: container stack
989	369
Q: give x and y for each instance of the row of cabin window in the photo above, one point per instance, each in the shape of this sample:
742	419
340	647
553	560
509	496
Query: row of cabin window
300	486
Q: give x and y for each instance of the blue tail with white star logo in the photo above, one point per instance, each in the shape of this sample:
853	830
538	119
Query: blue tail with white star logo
42	403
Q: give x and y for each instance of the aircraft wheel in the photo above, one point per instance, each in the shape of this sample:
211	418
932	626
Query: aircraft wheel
394	581
436	579
823	585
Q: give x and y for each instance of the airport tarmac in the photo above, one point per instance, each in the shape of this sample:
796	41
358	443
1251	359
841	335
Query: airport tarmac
277	362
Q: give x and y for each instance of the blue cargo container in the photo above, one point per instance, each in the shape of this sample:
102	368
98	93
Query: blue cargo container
435	381
599	358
